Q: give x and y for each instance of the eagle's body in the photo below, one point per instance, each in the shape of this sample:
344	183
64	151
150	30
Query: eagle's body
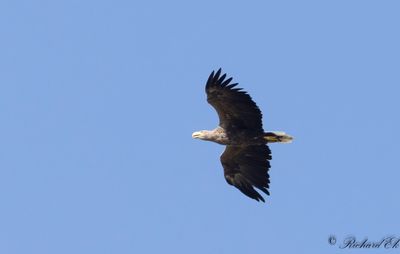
246	157
220	136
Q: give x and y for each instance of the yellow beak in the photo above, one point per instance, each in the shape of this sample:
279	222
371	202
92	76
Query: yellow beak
196	134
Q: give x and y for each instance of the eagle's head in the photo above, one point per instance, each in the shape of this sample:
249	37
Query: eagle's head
204	135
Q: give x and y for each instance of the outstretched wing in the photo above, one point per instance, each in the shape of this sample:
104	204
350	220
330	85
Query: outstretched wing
235	108
246	167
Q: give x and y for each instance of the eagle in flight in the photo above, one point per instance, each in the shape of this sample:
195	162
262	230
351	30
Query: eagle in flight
247	155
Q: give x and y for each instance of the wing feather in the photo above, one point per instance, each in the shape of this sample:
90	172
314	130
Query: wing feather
246	167
234	106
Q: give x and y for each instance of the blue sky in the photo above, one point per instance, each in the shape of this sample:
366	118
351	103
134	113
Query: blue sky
98	100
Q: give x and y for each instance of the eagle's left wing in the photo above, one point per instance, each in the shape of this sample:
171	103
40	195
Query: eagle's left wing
236	110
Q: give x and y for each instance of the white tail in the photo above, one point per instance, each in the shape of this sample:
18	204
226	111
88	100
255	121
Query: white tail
277	137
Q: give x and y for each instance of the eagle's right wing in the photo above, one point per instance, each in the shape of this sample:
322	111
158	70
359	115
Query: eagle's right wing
246	167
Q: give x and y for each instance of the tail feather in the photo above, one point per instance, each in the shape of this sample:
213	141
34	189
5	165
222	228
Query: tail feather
277	137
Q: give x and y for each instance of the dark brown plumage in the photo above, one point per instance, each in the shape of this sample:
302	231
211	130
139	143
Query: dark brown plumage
246	157
235	108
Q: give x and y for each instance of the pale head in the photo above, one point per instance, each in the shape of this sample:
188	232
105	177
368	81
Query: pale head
204	135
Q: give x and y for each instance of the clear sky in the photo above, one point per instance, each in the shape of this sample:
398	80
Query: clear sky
98	100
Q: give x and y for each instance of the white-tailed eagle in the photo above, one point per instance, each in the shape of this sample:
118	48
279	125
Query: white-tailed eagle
246	156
